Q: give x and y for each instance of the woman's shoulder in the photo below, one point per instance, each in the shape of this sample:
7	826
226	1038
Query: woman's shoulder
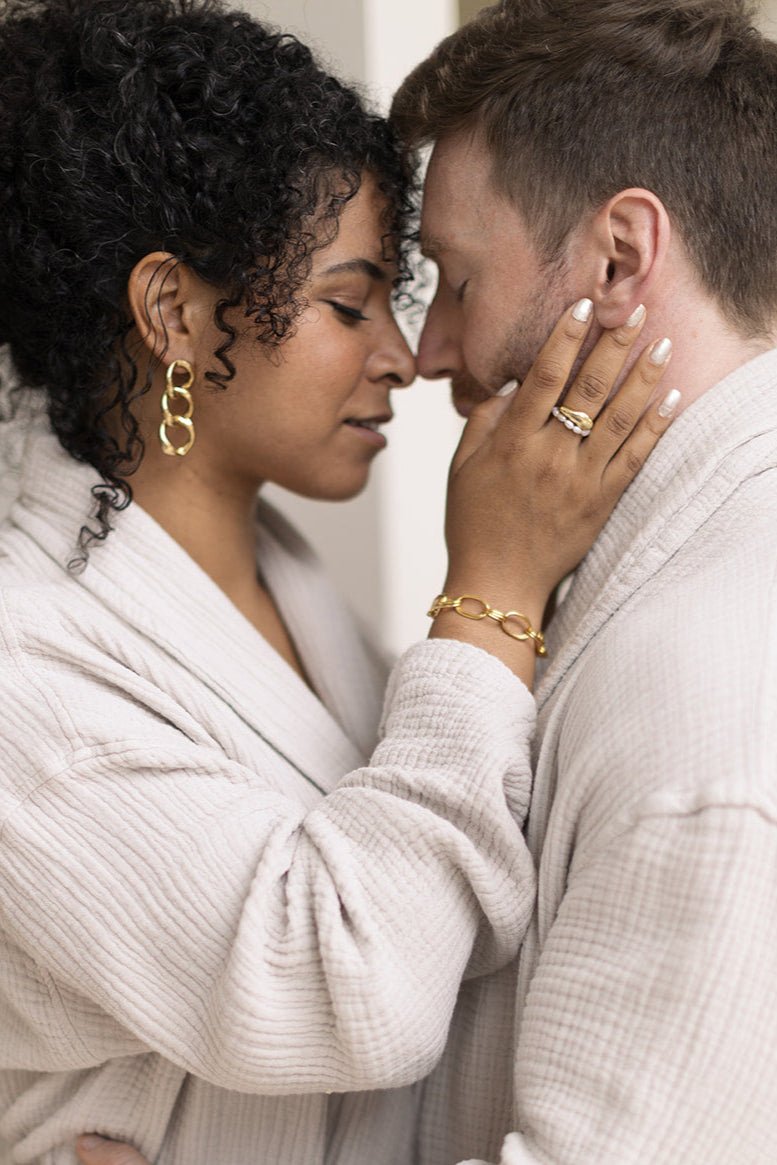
37	592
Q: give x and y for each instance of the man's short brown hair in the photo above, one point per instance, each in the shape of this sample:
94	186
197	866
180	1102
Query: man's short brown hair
577	99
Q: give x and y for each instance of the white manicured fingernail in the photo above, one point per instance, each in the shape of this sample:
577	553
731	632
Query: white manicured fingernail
582	310
661	351
507	389
669	404
636	317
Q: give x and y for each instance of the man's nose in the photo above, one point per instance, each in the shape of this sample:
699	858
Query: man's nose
439	355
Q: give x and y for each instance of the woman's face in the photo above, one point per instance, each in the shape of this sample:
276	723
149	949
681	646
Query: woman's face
309	415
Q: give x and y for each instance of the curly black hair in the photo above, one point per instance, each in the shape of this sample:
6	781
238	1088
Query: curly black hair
172	125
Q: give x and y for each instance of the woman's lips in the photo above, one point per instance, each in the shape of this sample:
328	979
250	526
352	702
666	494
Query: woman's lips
367	428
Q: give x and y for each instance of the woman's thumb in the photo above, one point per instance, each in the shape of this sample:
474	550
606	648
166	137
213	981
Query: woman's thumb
483	419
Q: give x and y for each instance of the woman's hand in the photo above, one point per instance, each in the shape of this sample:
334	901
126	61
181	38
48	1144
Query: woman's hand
527	496
94	1150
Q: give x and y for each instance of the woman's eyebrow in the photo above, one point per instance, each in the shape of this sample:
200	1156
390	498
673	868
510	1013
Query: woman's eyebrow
361	267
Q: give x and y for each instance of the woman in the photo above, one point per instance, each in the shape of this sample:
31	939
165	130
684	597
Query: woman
223	902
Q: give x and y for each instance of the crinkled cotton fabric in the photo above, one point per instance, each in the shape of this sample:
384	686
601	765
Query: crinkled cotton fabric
640	1025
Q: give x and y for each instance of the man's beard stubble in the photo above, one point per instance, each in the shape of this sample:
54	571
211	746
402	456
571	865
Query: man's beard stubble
526	337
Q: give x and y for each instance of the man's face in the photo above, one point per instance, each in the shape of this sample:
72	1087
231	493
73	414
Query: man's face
496	301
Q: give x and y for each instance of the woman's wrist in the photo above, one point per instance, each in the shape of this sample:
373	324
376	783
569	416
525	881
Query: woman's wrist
484	616
504	593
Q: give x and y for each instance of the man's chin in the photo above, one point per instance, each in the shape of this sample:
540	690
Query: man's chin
463	407
466	393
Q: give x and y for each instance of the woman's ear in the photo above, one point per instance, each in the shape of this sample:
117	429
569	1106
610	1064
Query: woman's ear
631	235
165	298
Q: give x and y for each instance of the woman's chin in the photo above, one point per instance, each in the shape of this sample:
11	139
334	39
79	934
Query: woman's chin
339	489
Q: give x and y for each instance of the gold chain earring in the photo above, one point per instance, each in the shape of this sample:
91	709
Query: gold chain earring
183	420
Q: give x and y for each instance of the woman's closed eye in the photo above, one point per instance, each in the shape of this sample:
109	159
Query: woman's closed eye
348	314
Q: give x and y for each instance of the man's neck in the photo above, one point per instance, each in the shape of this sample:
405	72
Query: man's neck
705	346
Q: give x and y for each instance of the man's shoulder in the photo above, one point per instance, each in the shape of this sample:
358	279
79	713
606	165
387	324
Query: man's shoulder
706	608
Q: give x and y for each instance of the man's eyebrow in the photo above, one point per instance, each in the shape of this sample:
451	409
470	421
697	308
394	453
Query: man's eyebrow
361	267
432	247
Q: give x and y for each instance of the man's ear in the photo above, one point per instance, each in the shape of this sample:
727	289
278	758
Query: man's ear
631	235
166	301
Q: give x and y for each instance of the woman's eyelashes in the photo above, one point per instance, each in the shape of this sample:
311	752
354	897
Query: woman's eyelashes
347	314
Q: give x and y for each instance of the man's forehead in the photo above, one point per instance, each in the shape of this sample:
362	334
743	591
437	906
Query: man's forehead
458	225
459	200
443	223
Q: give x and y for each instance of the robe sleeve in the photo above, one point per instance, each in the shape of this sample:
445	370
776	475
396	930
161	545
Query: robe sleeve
158	896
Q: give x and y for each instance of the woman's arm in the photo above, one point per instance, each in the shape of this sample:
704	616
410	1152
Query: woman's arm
183	905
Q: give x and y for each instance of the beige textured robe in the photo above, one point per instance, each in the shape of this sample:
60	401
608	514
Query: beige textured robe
217	903
646	991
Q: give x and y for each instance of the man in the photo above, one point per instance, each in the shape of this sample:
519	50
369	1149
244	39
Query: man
625	150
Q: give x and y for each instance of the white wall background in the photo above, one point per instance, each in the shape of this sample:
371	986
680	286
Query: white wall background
768	10
386	548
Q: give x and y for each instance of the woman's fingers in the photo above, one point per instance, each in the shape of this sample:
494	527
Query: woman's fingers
619	419
635	450
547	377
594	383
93	1150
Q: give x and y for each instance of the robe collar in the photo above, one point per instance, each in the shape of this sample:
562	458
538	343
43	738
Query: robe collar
725	436
150	583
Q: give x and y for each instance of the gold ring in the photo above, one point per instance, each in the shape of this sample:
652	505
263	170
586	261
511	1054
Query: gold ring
577	422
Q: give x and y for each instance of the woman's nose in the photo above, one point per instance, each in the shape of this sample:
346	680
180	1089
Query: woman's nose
397	362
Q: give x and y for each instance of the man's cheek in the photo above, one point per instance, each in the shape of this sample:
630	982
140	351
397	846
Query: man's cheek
478	350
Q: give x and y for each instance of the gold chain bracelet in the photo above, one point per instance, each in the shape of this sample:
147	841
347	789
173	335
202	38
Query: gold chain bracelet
513	623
